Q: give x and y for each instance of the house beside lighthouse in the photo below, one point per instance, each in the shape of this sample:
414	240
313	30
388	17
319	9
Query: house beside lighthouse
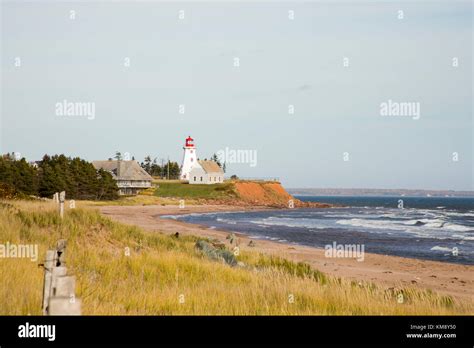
130	177
199	172
206	172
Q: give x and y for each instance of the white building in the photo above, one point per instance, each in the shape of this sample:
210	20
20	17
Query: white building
199	172
189	159
206	172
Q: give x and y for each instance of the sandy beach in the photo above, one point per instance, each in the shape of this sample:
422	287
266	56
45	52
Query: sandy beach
387	271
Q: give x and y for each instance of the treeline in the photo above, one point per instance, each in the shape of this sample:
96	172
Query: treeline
53	174
169	169
166	170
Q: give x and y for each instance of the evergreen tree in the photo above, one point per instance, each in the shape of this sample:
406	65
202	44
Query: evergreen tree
215	158
156	170
146	165
174	170
27	180
107	186
17	176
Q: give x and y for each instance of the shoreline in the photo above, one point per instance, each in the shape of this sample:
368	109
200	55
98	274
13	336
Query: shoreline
388	271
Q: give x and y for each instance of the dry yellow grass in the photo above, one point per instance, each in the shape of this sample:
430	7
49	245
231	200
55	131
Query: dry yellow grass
167	276
144	198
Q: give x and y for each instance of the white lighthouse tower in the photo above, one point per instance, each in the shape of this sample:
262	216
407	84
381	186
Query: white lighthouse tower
189	158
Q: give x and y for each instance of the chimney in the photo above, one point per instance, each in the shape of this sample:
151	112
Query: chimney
119	168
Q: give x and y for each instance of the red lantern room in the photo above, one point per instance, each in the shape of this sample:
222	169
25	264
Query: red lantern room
189	142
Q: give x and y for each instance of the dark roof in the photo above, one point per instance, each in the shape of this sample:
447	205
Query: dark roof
129	170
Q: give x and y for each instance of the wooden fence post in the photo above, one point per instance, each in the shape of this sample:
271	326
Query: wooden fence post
48	267
57	272
59	255
64	306
62	198
59	289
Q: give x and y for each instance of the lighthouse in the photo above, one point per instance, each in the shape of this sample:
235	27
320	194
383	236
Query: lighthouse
189	158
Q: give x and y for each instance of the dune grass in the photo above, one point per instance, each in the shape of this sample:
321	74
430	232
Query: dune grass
167	276
144	198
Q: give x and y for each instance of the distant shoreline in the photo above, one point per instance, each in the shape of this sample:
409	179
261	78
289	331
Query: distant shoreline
333	192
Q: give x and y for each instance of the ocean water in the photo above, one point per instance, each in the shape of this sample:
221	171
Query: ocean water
432	228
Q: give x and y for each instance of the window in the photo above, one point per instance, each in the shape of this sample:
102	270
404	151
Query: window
201	178
194	178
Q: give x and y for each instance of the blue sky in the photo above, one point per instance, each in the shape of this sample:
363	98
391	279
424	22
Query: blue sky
282	62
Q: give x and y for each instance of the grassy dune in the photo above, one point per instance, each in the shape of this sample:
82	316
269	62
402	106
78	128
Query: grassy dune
164	275
185	190
170	192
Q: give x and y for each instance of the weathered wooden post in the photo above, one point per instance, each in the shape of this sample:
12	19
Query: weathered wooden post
55	274
59	289
59	255
64	306
48	267
62	198
63	299
65	286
